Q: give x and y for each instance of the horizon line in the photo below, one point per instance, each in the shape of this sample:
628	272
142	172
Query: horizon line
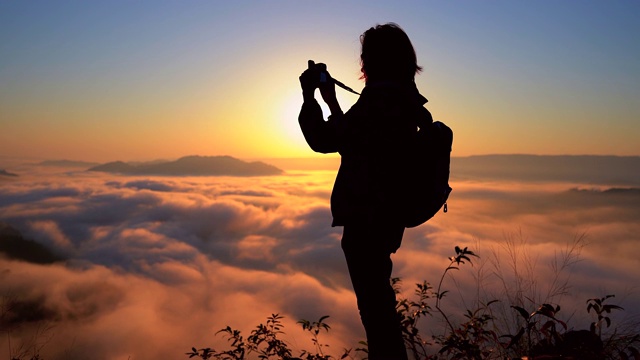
315	157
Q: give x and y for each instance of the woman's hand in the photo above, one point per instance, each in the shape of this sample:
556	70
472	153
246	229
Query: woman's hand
328	90
317	76
309	81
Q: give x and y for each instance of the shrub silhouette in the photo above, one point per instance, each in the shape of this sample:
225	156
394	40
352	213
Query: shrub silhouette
540	333
264	342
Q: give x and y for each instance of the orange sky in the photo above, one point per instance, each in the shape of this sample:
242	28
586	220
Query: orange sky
101	82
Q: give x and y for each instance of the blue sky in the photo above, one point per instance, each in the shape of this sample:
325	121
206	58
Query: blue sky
125	79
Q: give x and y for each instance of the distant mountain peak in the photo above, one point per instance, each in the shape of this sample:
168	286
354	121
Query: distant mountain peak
193	165
14	246
6	173
114	167
67	163
595	169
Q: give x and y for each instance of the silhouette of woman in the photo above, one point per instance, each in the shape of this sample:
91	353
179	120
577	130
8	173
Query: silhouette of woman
374	141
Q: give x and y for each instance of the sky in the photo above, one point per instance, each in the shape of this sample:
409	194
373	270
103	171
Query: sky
144	80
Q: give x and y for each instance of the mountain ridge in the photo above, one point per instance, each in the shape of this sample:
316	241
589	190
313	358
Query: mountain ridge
193	165
4	172
67	163
610	169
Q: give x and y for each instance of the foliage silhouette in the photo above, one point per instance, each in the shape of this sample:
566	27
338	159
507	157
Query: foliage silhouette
539	334
264	341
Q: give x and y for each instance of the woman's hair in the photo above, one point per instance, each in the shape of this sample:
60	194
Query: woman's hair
387	54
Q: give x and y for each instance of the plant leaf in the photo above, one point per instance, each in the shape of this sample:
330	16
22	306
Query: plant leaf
525	315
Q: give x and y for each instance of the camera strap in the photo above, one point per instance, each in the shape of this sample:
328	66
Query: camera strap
345	87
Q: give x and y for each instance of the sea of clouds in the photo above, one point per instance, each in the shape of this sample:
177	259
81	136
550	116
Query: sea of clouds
155	265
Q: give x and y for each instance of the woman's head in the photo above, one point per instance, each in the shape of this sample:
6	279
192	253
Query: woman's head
387	54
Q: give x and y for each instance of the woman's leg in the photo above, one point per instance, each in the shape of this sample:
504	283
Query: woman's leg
367	251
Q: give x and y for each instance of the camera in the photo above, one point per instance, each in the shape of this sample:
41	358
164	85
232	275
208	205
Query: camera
321	68
325	77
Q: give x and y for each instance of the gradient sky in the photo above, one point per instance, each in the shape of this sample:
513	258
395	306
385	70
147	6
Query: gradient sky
161	79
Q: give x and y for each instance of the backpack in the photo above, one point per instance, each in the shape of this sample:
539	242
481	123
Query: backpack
429	174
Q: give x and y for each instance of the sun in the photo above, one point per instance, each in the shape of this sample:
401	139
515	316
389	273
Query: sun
288	138
283	134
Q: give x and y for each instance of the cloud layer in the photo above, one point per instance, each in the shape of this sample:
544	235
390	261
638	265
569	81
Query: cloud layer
155	265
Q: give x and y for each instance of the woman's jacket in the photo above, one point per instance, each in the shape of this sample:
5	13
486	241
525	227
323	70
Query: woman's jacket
375	139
